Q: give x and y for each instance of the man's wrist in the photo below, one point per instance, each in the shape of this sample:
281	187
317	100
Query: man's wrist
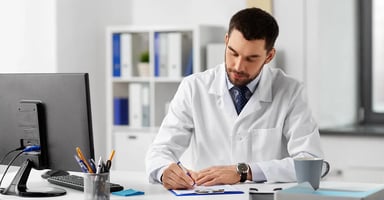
243	170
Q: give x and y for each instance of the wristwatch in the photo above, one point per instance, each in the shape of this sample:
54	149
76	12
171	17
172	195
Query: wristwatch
242	170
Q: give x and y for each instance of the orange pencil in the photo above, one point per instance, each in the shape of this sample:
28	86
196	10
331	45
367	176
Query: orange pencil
111	155
81	156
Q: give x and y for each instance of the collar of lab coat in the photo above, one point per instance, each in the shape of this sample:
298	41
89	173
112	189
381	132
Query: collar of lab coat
263	91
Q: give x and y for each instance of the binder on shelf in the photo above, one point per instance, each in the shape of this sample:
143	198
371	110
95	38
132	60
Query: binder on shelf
156	54
174	54
145	105
163	54
120	111
116	65
135	105
215	54
188	69
126	54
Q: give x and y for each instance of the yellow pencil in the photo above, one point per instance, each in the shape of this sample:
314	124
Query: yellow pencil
111	155
81	156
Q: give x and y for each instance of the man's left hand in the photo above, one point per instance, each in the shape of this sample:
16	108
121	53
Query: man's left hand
218	175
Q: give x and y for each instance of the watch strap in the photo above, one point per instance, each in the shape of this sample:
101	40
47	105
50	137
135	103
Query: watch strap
243	177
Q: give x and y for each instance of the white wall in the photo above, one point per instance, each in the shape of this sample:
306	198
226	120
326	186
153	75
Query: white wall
158	12
81	39
27	30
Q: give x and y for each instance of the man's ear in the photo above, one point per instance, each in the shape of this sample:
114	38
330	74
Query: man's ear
226	39
270	55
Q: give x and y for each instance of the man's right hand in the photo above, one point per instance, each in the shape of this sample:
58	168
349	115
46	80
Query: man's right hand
175	178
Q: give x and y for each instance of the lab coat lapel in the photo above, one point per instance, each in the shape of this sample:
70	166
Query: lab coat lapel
262	94
220	90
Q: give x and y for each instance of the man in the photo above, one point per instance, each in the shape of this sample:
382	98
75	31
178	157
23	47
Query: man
230	144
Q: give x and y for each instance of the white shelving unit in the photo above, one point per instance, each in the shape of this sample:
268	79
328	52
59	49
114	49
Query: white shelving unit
131	142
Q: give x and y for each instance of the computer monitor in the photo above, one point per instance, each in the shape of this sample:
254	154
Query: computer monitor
50	110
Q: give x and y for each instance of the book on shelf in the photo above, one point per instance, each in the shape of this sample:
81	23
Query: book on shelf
116	65
120	111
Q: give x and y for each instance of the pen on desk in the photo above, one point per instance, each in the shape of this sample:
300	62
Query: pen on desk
81	156
186	171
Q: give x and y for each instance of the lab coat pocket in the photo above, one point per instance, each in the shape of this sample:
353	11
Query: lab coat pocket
266	143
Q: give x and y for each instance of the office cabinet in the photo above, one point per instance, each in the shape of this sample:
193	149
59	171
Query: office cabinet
145	65
131	149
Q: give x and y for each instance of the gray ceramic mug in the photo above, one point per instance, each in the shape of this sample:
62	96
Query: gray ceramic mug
311	170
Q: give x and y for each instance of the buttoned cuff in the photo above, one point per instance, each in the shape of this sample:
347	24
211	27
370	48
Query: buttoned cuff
257	173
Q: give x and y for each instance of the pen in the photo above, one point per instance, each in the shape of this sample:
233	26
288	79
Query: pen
109	161
81	164
81	156
99	166
93	164
186	171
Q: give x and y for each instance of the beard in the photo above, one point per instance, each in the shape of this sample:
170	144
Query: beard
237	78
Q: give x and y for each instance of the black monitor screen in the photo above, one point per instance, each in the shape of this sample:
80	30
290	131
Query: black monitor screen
64	117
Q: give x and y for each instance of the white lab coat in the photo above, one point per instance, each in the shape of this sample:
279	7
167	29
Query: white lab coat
273	127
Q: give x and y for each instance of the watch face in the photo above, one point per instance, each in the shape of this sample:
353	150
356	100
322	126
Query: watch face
242	167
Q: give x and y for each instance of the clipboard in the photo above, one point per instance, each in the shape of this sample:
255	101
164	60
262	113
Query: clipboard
208	190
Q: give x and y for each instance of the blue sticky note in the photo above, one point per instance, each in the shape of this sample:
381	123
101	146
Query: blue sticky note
128	192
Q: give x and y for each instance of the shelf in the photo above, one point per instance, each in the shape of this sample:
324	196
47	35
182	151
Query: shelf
138	98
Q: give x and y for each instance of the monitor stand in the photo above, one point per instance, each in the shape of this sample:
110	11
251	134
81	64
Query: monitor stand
18	185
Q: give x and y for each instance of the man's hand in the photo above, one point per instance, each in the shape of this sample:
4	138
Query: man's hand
218	175
175	178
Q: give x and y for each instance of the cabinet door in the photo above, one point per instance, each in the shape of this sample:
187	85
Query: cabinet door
131	148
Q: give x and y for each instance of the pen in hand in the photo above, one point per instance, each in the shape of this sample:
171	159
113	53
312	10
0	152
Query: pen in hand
186	172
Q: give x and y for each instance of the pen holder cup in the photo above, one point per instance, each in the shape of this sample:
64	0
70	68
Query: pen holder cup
96	186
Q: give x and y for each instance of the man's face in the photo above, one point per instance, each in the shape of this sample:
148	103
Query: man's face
244	59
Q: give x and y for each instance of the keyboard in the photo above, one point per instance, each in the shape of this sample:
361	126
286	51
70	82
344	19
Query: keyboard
77	182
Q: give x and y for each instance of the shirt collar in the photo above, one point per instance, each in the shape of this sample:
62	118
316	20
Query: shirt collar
251	86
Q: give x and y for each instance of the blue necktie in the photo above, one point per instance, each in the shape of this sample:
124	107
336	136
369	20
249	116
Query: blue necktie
240	96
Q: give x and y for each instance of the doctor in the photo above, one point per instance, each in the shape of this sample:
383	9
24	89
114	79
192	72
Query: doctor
230	144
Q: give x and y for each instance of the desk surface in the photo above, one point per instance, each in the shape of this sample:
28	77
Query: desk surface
138	181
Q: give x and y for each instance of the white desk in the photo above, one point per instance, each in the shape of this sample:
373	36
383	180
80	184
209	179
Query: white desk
134	180
138	181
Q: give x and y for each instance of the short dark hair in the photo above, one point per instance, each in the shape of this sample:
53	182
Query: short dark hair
255	24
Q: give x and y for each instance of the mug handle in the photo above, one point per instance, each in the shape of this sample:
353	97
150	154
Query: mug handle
326	170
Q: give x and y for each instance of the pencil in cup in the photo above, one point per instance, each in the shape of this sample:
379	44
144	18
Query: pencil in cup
96	186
